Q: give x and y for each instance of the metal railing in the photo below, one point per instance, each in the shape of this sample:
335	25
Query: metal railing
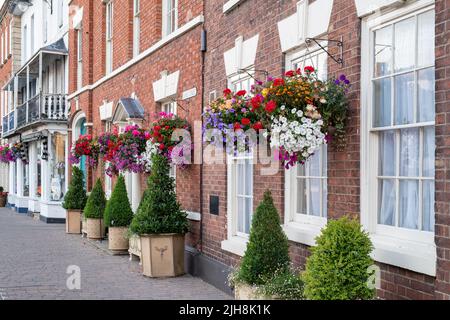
42	108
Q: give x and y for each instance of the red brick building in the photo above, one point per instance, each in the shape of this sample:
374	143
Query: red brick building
138	57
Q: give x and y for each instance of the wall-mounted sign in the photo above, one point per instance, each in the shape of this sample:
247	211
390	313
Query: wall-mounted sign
189	93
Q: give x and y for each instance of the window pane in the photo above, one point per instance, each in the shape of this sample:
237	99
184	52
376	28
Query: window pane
383	51
429	147
314	164
428	206
409	152
314	197
248	178
301	196
405	44
248	214
387	153
301	170
240	177
425	40
409	204
240	214
324	160
425	87
404	99
386	193
382	103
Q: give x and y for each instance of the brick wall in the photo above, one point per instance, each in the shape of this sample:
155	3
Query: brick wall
442	205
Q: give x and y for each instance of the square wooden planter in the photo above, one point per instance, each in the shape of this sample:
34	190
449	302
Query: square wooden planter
162	255
73	221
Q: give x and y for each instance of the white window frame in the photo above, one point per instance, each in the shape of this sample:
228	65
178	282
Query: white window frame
45	23
10	36
304	228
236	241
171	107
109	36
32	34
410	249
25	40
60	13
79	57
173	14
136	27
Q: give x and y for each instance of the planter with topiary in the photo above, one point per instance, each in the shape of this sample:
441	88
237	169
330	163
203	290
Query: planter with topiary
161	224
265	266
118	216
3	197
74	202
340	266
94	212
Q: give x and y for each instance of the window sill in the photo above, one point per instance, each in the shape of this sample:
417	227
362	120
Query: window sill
407	254
230	5
302	233
235	245
193	216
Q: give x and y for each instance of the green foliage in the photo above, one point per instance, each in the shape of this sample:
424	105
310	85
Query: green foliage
118	211
95	205
75	198
338	266
267	249
284	284
159	211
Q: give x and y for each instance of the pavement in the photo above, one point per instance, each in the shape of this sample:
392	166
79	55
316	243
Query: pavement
40	261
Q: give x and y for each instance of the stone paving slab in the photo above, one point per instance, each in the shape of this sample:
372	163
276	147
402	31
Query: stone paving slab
34	258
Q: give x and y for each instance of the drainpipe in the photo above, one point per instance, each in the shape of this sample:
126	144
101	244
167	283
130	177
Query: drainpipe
203	50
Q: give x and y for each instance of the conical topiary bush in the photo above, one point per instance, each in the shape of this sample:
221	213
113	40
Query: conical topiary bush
95	205
118	211
75	198
267	249
94	211
159	210
161	223
338	268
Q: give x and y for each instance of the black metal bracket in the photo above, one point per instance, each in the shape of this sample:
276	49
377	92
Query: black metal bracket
247	71
338	43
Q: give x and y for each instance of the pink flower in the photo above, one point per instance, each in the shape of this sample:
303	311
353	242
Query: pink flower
135	133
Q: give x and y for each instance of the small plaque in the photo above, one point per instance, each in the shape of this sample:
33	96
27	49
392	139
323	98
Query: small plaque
189	93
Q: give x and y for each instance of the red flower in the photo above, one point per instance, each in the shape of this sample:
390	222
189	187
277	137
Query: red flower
278	82
271	106
237	126
241	93
157	128
299	71
167	127
256	102
161	146
226	92
258	126
290	73
245	121
309	69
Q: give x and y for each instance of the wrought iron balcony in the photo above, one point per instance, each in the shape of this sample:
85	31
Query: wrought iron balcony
42	108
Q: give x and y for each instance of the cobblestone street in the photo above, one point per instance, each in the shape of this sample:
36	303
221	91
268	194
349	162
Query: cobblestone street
34	258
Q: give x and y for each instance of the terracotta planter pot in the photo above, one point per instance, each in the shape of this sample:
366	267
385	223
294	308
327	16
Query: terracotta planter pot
117	238
162	255
95	228
3	201
73	221
246	292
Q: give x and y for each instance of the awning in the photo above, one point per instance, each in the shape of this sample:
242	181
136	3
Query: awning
128	108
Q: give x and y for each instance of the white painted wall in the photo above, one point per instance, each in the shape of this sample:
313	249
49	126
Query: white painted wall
54	31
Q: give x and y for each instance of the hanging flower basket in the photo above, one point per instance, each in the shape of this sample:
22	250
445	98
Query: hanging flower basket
7	155
87	146
299	112
126	153
161	142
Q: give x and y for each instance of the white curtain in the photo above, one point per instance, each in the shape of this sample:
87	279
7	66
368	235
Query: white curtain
387	168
